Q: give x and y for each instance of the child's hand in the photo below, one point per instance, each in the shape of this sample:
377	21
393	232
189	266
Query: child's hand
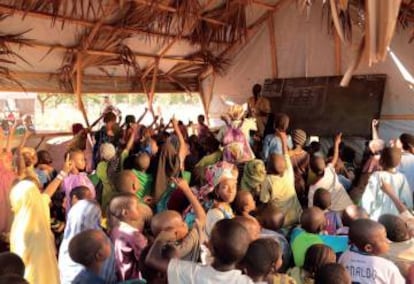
181	183
338	138
282	135
375	122
67	166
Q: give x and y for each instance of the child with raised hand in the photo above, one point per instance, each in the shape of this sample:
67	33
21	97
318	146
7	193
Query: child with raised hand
374	200
368	241
76	176
279	185
44	168
311	232
271	220
316	256
401	251
262	262
332	273
186	242
327	178
142	162
322	199
228	243
349	215
90	248
126	221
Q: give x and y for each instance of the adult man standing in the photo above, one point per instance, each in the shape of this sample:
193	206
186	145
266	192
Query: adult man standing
259	108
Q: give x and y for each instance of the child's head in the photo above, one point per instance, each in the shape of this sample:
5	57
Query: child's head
281	122
270	217
263	257
332	273
109	119
226	190
125	207
407	141
317	256
129	119
29	155
251	225
11	263
107	151
78	159
44	157
229	242
298	137
13	279
276	164
201	119
244	203
397	230
142	161
369	236
169	220
312	220
317	163
322	199
89	247
79	193
390	158
127	181
352	213
257	89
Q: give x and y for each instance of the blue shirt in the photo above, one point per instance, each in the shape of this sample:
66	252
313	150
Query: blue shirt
273	145
88	277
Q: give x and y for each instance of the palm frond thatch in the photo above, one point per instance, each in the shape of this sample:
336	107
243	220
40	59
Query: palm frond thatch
338	18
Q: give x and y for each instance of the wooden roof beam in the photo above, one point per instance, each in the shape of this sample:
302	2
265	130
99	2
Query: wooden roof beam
46	16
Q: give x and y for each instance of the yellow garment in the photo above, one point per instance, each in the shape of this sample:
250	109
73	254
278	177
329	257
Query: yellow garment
260	109
280	191
282	279
30	235
300	276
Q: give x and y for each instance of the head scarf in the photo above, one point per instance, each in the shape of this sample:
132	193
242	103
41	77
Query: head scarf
107	151
253	175
168	166
30	235
215	174
298	137
84	215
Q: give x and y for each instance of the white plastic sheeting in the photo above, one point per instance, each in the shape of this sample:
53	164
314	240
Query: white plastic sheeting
304	48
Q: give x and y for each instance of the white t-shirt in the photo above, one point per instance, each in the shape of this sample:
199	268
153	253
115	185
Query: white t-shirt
369	269
183	272
330	182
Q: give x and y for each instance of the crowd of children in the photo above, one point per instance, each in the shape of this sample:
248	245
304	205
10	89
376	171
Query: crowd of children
155	204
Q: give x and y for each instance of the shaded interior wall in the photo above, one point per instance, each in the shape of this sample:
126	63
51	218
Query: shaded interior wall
304	48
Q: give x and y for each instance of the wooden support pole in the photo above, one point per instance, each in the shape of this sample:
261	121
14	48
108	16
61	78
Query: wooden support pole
273	50
338	56
78	91
153	85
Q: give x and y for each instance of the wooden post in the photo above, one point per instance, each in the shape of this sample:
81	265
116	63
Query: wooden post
273	50
338	57
78	91
153	84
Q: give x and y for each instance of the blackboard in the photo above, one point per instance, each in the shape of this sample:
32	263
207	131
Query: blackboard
321	107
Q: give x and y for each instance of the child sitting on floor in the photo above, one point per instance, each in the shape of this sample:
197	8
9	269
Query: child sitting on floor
76	177
89	248
126	221
251	225
244	204
322	199
279	185
401	250
374	200
312	224
350	214
11	263
327	178
316	256
332	273
228	243
263	260
271	219
80	193
187	243
368	241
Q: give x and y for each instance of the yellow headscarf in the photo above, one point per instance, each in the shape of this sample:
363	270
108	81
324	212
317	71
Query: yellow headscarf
30	235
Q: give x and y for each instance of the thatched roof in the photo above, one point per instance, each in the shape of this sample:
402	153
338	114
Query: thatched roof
139	45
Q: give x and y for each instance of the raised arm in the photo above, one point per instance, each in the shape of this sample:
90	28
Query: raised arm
337	142
182	151
283	138
142	116
154	121
198	208
21	165
10	137
374	125
131	139
54	184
